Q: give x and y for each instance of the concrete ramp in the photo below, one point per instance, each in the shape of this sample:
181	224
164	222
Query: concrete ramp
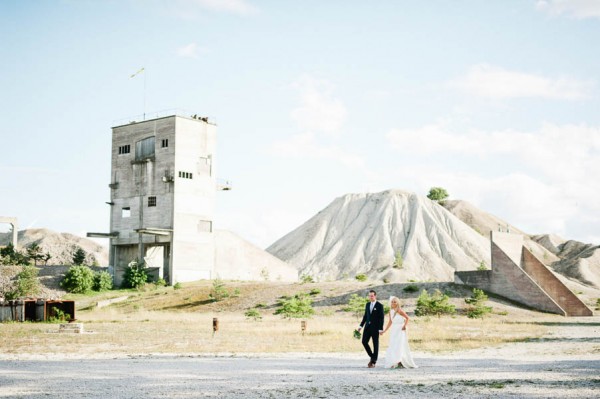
519	276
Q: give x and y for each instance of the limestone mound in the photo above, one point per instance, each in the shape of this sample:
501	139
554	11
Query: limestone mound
579	261
238	259
366	233
60	246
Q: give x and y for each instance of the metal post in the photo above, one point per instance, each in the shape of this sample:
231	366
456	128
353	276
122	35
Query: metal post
303	326
215	325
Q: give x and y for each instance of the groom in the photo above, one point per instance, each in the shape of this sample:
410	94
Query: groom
372	321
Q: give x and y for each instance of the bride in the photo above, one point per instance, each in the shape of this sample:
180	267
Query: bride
398	353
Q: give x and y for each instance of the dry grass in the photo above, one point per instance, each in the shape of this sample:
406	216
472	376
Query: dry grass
164	320
114	332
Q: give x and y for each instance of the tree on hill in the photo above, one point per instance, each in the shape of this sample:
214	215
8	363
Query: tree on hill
34	252
79	256
438	194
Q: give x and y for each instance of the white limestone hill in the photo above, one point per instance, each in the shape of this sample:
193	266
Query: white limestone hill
363	233
61	246
484	223
579	261
238	259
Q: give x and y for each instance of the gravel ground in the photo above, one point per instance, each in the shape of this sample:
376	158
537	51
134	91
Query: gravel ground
566	363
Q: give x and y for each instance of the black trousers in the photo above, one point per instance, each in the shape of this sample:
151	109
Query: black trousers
371	332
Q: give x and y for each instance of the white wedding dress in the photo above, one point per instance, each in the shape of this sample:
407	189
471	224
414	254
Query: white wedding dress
398	351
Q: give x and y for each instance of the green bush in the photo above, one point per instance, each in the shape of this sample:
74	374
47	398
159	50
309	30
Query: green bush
411	288
11	257
298	306
356	305
102	281
58	316
161	282
314	291
78	279
305	278
218	292
25	285
361	277
436	304
598	304
253	314
398	261
482	266
135	275
177	286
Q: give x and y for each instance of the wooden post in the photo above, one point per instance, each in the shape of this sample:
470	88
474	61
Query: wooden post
215	325
303	326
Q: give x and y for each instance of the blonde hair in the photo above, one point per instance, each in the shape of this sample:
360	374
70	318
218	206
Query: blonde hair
397	301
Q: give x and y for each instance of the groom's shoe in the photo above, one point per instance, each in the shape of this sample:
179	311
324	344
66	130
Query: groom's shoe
371	365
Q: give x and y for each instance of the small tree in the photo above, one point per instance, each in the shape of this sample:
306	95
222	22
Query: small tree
436	304
438	194
253	314
46	258
79	256
356	304
218	292
27	283
482	266
477	301
79	279
34	252
306	278
361	277
298	306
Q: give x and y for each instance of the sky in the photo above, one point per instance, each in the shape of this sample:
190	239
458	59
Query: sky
496	101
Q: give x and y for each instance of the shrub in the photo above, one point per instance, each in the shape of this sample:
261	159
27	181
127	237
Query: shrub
253	314
260	305
314	291
10	256
398	261
58	316
177	286
298	306
482	266
598	304
306	278
102	281
477	301
264	273
160	283
438	194
436	304
78	279
135	275
386	280
361	277
356	305
411	288
218	292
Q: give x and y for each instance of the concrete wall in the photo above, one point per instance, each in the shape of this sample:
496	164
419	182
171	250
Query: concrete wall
511	244
567	300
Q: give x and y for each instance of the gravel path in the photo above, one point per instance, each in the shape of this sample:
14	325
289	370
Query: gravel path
296	375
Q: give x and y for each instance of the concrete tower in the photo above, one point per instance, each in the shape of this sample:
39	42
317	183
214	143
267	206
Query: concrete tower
163	190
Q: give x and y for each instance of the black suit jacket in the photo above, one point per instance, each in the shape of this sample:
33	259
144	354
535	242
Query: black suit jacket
375	319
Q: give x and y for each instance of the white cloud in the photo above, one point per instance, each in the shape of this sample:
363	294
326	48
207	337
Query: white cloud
497	83
241	7
305	146
579	9
548	184
319	110
191	50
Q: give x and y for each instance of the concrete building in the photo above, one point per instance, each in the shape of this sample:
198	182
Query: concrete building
518	275
14	228
162	200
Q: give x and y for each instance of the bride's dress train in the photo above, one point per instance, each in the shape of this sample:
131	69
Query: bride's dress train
398	351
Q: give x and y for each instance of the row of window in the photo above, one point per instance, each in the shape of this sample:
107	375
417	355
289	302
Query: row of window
143	148
185	175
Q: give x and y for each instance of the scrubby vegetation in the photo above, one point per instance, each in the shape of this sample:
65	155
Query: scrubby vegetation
477	308
435	304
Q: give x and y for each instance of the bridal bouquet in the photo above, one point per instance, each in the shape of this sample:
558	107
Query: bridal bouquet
356	334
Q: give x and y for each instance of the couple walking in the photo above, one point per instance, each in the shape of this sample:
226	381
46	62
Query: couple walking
398	353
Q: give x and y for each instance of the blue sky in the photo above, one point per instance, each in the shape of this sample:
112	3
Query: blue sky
496	101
